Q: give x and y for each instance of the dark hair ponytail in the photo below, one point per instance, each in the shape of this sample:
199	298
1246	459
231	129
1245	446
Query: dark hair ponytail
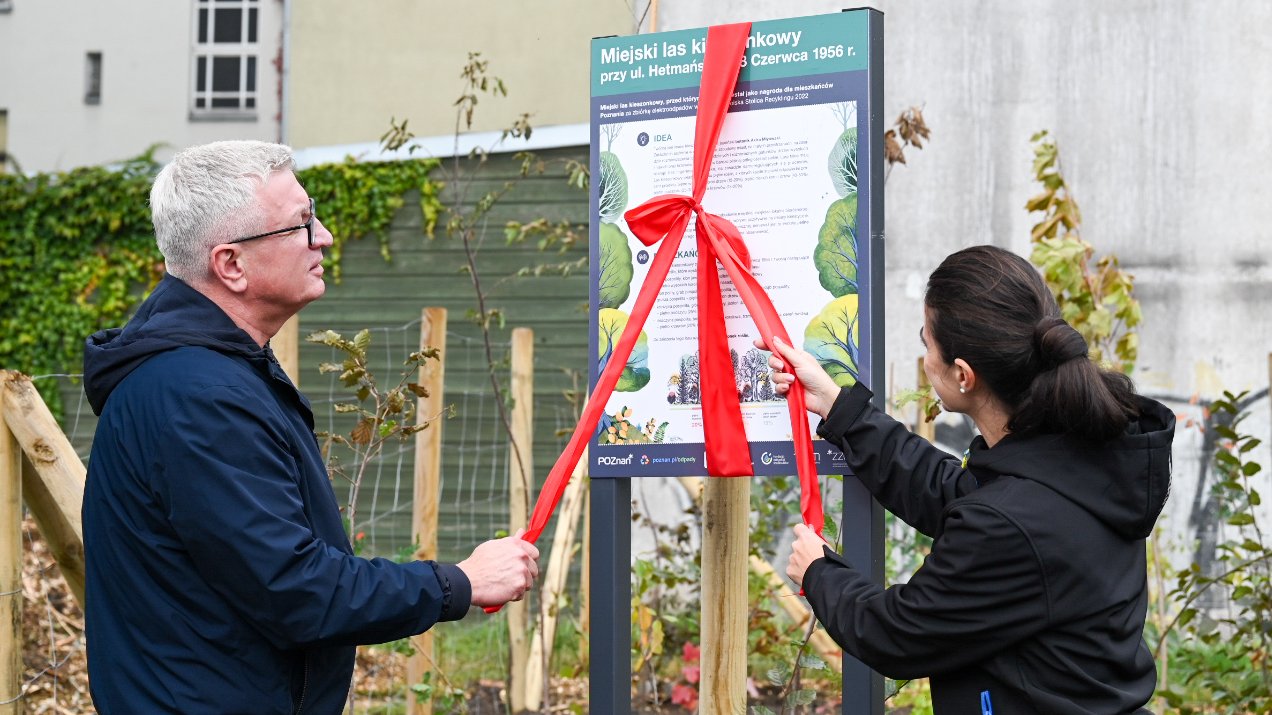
990	307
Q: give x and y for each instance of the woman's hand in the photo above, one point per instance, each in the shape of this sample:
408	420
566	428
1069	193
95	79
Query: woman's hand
789	363
806	549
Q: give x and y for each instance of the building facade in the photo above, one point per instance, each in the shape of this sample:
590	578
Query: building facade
354	67
85	83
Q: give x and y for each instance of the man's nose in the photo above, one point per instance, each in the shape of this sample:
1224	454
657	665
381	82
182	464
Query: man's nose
322	237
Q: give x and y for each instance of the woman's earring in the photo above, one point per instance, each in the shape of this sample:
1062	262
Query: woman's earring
962	389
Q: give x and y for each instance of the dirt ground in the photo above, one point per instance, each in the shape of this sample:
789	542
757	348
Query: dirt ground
55	680
56	676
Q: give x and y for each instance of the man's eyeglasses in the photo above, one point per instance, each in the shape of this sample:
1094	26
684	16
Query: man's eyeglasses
308	226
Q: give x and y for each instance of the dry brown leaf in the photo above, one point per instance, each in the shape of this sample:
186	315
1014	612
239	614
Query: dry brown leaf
892	149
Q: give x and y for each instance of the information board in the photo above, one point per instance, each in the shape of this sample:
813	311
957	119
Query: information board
798	168
792	171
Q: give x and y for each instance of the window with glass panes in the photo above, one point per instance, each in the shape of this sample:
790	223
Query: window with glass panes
225	55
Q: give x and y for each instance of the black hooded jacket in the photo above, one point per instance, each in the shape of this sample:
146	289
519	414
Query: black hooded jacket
219	576
1033	597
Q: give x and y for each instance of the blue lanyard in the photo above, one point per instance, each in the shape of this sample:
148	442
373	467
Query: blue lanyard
987	708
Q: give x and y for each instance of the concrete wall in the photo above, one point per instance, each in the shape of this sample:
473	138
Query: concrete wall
1158	109
1155	106
353	67
146	77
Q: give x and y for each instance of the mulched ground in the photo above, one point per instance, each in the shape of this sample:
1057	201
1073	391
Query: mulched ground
56	675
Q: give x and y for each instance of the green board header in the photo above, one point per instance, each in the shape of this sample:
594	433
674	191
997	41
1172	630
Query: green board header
794	47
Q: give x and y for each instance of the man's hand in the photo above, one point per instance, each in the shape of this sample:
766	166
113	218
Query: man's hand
501	570
806	549
789	363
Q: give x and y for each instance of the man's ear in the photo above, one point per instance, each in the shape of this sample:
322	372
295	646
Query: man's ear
227	268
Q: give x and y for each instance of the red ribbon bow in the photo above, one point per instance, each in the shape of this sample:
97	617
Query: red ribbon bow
665	218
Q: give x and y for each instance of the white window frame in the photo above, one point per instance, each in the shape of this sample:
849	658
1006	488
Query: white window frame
248	101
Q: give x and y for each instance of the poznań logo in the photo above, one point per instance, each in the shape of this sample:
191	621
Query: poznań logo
614	461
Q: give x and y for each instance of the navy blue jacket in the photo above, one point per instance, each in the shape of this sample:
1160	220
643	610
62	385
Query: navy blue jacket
1033	597
219	576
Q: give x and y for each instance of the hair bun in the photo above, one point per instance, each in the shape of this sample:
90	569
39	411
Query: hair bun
1057	342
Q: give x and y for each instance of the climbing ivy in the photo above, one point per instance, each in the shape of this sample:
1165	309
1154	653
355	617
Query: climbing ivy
77	248
356	199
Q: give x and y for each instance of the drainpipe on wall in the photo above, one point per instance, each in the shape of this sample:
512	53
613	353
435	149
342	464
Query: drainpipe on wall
284	69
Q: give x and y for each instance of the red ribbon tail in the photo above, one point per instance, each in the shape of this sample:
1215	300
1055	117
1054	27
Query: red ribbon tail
721	234
728	453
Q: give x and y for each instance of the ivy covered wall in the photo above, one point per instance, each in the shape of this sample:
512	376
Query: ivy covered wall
77	249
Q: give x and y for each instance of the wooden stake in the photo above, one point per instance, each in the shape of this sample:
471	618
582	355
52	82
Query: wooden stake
286	347
726	508
520	477
552	585
428	486
795	606
53	482
10	565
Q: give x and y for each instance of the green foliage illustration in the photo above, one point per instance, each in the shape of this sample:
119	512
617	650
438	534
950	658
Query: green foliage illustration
833	337
836	252
684	386
610	324
619	428
843	163
611	188
615	274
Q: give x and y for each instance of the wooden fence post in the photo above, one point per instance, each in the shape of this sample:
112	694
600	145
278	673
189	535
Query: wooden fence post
286	347
52	476
428	486
726	510
10	566
520	482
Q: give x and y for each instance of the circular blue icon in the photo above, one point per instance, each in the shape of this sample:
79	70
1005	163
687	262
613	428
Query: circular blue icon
642	257
642	139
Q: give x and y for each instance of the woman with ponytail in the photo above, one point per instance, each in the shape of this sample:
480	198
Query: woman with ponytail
1033	597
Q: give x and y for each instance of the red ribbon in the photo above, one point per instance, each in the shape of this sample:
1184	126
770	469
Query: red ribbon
665	218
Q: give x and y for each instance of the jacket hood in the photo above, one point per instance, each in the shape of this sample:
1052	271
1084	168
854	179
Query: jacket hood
1123	482
174	316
